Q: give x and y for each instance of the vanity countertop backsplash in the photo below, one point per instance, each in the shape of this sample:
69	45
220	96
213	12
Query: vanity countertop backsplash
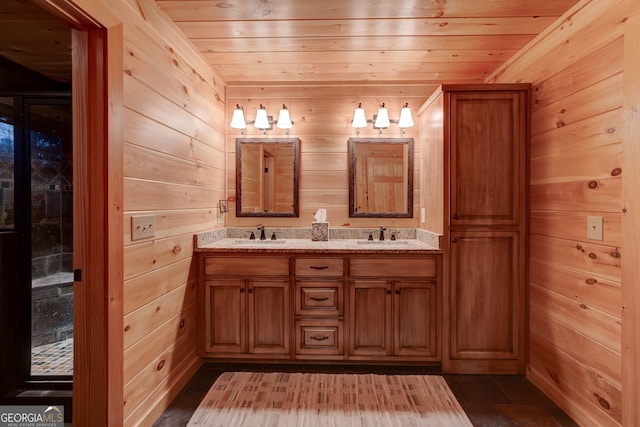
356	240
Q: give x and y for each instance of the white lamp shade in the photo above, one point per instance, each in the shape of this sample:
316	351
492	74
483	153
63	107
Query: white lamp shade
284	119
359	119
237	120
382	119
406	119
262	121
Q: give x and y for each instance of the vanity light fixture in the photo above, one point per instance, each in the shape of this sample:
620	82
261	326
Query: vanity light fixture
381	120
263	121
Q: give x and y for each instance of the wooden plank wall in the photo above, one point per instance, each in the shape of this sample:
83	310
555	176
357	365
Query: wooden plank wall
431	141
174	170
576	154
322	120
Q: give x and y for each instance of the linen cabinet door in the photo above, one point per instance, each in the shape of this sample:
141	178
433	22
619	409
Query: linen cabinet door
415	320
487	303
370	318
487	158
225	308
268	305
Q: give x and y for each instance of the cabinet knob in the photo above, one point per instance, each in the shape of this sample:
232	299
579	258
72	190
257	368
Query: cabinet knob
454	216
454	240
250	290
242	290
397	291
388	292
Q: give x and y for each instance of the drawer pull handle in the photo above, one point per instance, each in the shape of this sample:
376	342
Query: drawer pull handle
319	299
320	338
321	267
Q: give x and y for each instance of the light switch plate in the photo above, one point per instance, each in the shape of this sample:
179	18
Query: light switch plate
423	215
143	227
594	228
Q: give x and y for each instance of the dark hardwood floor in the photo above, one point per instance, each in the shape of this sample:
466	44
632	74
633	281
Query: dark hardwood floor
488	400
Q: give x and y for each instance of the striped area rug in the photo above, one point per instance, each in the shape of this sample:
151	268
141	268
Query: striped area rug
328	400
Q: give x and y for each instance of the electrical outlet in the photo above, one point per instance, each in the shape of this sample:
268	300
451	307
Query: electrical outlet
423	215
143	227
594	228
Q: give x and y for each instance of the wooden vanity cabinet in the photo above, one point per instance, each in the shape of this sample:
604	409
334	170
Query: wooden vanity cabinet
394	308
365	307
246	308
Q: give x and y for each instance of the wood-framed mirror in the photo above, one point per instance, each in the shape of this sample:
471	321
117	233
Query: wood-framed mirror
267	177
381	177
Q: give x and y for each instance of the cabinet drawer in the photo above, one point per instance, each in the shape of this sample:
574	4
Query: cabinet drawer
249	266
319	267
319	298
319	337
393	267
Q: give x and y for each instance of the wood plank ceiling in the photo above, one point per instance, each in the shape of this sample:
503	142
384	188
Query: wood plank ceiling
381	41
317	41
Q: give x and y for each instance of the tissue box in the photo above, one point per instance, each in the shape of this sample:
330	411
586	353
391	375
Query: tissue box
319	231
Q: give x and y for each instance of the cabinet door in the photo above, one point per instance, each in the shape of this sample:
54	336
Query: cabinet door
370	318
487	301
415	319
269	311
225	311
486	137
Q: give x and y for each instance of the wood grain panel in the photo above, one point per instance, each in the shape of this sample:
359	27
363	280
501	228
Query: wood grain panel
601	327
587	134
141	195
603	261
157	67
181	327
363	28
155	374
336	9
147	287
151	255
586	27
578	195
598	162
581	286
143	321
594	356
630	223
595	99
144	132
579	384
597	66
431	143
573	225
155	166
139	97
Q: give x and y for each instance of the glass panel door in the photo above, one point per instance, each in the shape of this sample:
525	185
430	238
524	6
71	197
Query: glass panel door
48	123
7	165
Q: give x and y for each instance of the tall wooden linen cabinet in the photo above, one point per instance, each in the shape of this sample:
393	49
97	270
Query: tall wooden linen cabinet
481	134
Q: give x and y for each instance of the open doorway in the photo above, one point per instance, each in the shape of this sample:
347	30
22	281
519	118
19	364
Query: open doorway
36	200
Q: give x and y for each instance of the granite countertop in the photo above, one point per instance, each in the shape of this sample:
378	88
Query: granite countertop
239	243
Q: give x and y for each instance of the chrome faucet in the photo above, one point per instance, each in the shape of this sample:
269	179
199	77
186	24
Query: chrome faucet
382	230
261	230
